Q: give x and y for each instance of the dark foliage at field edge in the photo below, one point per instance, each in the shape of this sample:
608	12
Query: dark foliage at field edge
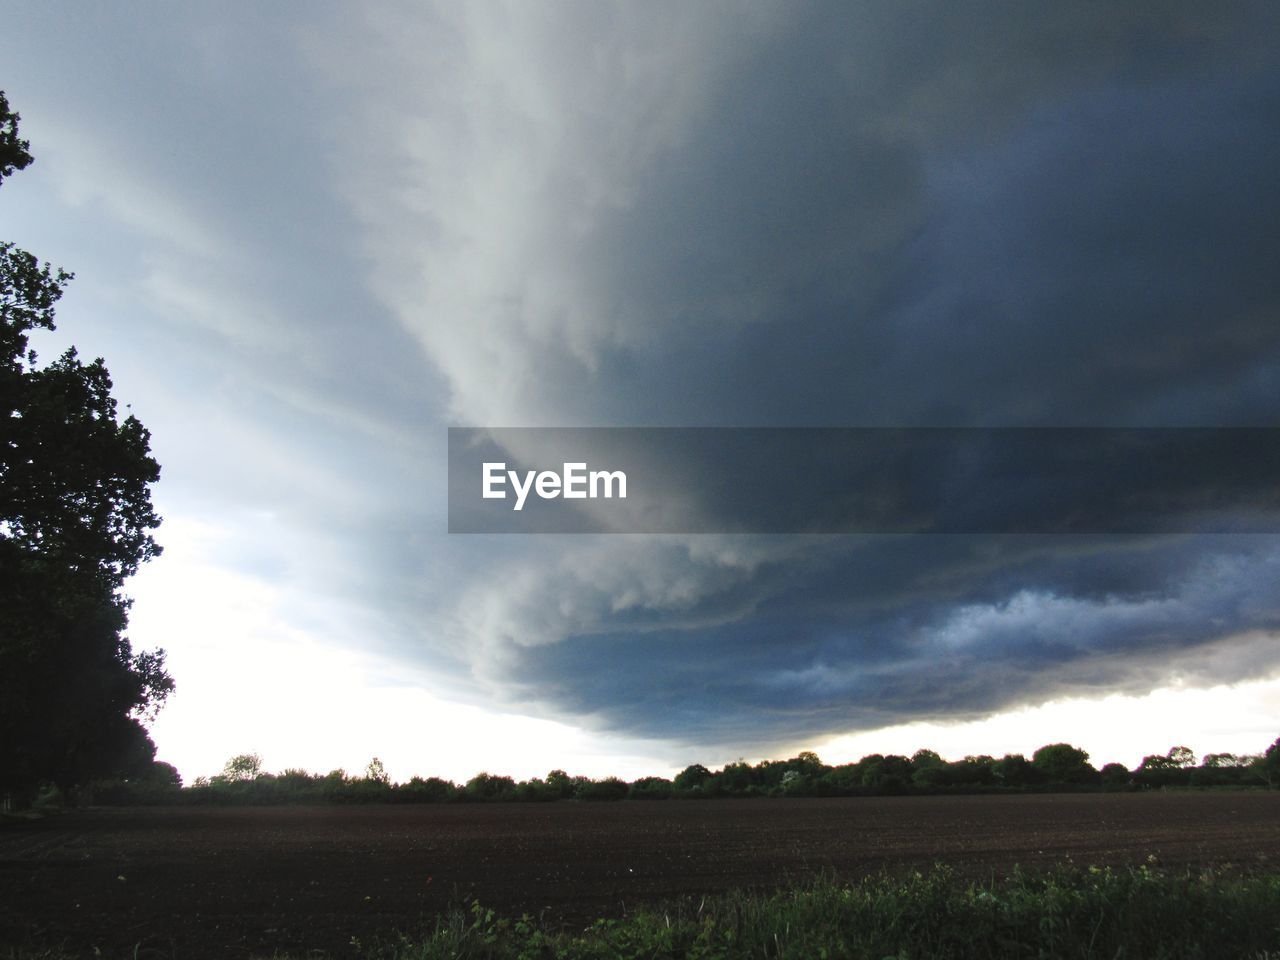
1055	767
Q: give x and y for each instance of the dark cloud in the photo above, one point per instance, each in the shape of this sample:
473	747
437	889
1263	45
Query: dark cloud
1092	249
900	629
908	214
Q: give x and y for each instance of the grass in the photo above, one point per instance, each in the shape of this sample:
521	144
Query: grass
1116	914
1069	913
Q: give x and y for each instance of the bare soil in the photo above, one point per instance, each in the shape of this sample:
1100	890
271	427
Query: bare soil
239	882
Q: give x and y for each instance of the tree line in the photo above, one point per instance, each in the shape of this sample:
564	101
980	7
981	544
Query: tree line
1054	767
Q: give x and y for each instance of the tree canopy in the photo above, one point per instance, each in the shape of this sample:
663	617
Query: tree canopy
14	153
75	522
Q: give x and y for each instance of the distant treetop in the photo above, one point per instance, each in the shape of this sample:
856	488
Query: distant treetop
13	150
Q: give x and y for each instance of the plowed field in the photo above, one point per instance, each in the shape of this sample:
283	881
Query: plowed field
198	882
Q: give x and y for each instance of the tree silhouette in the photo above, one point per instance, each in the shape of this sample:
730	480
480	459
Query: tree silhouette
243	766
13	150
1063	763
694	775
75	522
1269	764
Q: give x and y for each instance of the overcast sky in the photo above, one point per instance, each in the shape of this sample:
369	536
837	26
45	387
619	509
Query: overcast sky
309	237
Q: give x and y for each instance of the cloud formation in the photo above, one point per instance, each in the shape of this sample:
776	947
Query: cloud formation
369	226
895	216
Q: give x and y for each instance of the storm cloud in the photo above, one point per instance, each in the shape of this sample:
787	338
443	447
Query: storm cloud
873	216
854	215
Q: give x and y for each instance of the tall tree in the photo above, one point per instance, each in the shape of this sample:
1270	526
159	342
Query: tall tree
75	523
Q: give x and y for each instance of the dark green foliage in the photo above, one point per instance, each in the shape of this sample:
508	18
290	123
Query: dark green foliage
692	776
1172	769
163	775
1269	764
1114	776
75	522
1063	763
889	775
13	149
735	778
560	784
959	776
243	781
29	291
430	790
157	783
1234	775
924	759
610	788
1015	770
486	786
534	791
75	478
244	766
652	788
1219	761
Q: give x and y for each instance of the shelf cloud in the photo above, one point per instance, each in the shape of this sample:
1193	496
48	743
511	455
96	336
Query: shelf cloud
582	214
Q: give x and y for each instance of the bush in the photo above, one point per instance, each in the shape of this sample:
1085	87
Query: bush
430	790
610	788
651	788
486	786
692	777
1115	776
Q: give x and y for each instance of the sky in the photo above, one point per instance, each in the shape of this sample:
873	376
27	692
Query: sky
310	237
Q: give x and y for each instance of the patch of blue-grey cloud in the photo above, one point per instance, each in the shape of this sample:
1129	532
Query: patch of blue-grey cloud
936	628
348	229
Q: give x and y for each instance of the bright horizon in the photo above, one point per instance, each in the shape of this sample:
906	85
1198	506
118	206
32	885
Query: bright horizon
394	720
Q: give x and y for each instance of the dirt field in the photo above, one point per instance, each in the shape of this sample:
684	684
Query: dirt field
230	882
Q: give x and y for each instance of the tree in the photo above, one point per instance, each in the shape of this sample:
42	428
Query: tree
1222	761
1181	757
487	786
243	767
692	777
377	772
881	774
1063	763
560	784
1171	769
75	523
806	762
1014	770
924	758
13	151
1115	775
735	778
1268	765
